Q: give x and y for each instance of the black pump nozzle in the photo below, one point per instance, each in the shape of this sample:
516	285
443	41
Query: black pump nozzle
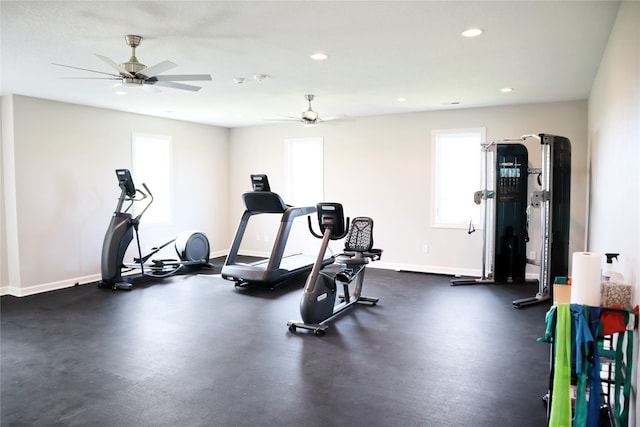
610	258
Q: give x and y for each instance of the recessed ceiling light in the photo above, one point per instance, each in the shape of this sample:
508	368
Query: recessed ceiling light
319	56
401	99
472	32
506	89
121	92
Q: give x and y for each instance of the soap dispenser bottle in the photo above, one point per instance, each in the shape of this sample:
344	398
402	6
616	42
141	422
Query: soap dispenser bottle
609	274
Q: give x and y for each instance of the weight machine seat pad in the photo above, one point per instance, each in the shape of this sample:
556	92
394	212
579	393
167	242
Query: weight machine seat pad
263	202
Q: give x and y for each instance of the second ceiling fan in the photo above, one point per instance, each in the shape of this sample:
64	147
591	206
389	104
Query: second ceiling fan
308	117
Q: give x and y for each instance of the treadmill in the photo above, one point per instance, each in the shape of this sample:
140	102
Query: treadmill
277	268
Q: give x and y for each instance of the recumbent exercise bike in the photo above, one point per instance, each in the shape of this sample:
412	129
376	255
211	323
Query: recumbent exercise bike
191	247
318	303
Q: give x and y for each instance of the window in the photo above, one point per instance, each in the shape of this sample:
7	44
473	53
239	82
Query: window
152	165
305	165
457	176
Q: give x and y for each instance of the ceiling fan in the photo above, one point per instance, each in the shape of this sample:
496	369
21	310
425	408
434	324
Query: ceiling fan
133	72
308	117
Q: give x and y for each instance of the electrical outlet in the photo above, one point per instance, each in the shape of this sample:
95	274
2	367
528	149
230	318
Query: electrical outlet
425	249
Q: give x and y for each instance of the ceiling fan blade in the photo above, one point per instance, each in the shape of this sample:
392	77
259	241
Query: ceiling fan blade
157	69
178	86
282	120
115	66
183	77
86	69
336	118
90	78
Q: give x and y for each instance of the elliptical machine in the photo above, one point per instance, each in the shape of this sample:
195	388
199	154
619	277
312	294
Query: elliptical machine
192	247
318	303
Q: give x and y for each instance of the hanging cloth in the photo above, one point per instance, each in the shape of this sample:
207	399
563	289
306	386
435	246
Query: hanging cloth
593	419
549	319
583	344
623	388
561	401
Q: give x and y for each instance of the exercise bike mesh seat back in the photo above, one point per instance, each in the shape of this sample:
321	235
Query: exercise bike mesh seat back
360	237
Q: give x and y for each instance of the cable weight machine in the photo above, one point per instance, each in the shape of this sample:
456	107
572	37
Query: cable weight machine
506	212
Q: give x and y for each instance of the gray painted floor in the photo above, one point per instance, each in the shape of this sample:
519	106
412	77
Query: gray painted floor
195	351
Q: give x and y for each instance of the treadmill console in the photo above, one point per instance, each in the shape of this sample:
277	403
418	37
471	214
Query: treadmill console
260	182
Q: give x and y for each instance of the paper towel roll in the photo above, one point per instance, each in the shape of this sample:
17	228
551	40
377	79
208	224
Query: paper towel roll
585	279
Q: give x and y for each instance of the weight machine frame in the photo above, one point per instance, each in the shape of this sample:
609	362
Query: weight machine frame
551	264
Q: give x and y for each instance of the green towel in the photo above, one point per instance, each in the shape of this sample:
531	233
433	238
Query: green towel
561	395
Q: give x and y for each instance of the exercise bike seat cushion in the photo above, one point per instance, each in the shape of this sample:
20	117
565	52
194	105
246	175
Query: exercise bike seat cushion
350	258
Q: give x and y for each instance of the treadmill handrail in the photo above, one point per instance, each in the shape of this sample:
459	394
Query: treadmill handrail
293	212
283	233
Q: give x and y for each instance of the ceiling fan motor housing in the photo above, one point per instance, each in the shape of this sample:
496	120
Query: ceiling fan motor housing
133	66
129	81
309	115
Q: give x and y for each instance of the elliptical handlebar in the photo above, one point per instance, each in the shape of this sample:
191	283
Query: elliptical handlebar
131	194
144	196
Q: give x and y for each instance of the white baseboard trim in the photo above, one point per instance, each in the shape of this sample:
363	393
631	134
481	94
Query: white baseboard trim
431	269
47	287
218	254
417	268
68	283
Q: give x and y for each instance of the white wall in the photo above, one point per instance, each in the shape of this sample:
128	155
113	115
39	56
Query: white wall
614	137
381	167
66	188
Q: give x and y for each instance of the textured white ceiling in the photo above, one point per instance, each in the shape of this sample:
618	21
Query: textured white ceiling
378	51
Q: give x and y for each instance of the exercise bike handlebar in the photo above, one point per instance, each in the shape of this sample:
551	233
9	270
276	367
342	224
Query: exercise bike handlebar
333	237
